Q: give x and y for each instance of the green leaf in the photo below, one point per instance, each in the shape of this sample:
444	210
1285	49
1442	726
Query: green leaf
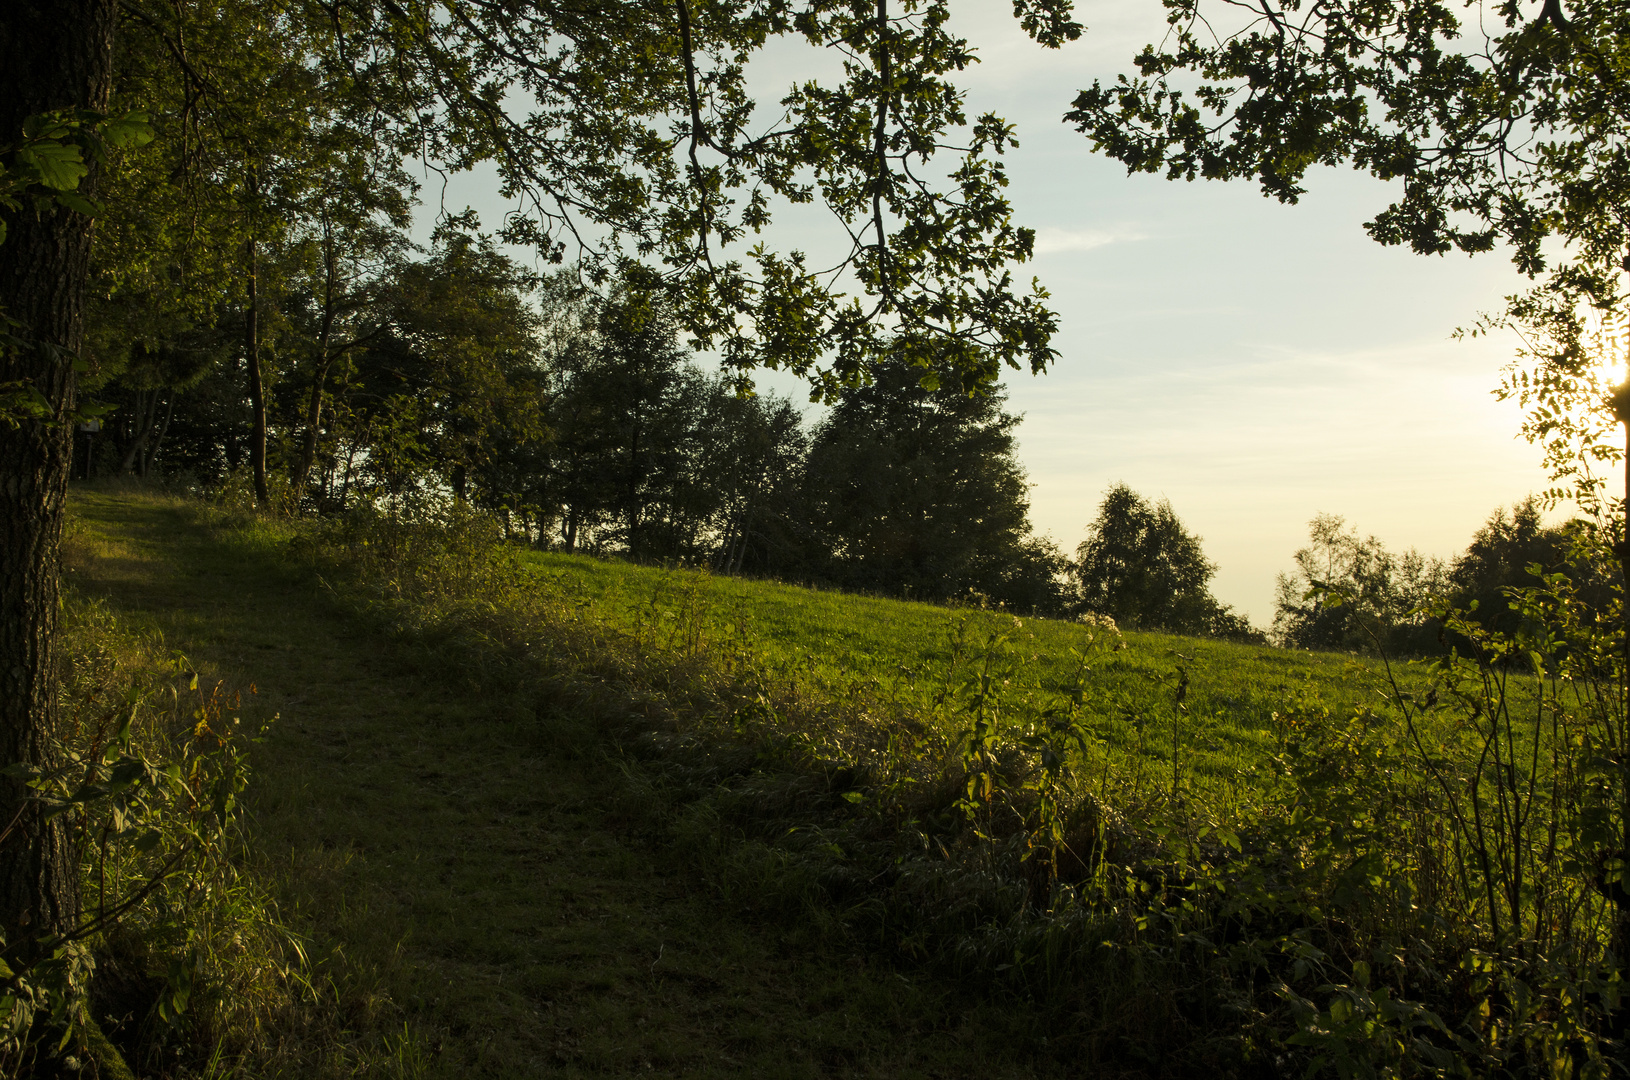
59	165
133	129
45	126
76	202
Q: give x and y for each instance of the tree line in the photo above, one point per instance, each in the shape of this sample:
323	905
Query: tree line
1142	567
575	415
1348	591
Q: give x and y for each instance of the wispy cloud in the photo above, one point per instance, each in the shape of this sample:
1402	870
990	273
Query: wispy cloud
1060	241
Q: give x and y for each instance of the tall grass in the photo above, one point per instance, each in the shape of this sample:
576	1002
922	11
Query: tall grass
178	953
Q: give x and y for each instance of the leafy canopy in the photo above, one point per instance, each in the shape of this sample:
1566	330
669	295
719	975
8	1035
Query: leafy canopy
1500	121
627	132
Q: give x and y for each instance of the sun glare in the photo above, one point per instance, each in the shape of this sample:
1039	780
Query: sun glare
1608	339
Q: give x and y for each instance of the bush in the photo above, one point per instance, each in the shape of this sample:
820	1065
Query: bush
178	955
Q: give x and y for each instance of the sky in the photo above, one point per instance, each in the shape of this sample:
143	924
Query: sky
1254	363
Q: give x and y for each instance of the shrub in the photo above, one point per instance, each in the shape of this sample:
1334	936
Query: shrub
177	953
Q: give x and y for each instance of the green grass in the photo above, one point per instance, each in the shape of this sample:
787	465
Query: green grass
838	640
477	896
492	886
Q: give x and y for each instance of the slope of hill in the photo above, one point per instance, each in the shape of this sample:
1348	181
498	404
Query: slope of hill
1224	733
475	898
539	814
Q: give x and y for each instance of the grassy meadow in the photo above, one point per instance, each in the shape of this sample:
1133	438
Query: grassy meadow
899	650
532	814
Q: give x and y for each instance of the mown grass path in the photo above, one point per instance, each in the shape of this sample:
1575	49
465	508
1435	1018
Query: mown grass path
460	868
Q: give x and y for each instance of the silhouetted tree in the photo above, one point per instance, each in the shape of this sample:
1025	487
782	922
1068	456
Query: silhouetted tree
1499	558
918	491
1350	592
1139	565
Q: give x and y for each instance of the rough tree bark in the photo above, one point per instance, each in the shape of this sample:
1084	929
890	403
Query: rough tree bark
54	54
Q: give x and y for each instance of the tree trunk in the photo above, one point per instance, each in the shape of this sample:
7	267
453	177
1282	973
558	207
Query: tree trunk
140	423
345	480
257	396
150	458
314	419
634	493
54	54
319	378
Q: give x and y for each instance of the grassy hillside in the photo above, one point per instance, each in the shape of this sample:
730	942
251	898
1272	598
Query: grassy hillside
541	815
838	641
475	891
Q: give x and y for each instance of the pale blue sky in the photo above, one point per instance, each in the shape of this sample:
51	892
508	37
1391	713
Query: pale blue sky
1252	362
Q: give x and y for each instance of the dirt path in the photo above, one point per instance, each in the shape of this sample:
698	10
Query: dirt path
458	860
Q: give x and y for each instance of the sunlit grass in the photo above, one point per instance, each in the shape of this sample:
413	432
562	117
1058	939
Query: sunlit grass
1223	732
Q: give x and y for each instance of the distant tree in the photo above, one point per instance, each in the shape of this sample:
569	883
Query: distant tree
737	459
916	490
1499	558
751	453
207	436
1503	556
1031	578
344	258
146	361
622	387
650	456
1350	592
1141	566
455	373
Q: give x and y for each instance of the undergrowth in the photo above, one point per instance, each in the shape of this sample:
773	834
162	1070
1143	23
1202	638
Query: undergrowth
177	960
